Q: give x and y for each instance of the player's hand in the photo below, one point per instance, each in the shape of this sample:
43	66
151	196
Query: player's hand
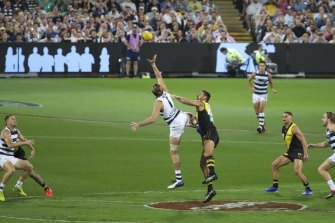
153	60
134	126
274	91
29	142
252	90
305	156
32	154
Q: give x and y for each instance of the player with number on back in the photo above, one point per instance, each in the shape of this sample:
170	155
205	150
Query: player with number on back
176	119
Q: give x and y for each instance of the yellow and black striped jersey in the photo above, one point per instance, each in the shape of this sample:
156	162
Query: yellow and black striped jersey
291	140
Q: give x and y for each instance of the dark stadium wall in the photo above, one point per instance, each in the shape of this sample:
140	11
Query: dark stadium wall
92	58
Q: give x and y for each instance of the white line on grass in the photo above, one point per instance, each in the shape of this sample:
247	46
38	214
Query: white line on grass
146	139
60	220
127	123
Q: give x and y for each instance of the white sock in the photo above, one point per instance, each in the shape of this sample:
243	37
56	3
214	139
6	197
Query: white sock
178	175
19	183
2	186
331	184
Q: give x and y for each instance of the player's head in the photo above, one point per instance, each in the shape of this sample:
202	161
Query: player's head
157	90
10	120
287	117
204	96
223	50
328	117
262	66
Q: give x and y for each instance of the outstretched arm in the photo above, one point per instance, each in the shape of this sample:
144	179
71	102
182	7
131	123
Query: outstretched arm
157	73
158	106
189	102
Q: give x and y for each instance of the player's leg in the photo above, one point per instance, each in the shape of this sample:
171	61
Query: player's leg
128	67
135	68
298	164
324	172
261	114
38	179
256	105
208	151
276	164
209	169
26	168
9	169
20	154
174	144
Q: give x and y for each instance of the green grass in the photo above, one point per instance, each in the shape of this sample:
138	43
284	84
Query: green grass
101	171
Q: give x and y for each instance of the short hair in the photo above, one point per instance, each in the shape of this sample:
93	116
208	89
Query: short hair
261	61
157	90
289	113
223	49
331	116
8	116
207	94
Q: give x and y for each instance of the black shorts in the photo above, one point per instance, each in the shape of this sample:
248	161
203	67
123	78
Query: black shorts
211	134
20	154
294	154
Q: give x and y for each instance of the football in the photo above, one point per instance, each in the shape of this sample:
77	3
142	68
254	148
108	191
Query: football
147	36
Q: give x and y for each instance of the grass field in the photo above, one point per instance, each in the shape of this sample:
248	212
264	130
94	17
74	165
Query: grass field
101	171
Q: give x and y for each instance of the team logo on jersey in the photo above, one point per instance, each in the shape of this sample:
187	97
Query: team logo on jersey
18	104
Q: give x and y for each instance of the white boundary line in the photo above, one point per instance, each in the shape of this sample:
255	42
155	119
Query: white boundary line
60	220
127	123
148	139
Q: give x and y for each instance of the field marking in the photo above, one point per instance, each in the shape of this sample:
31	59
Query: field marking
61	220
128	123
147	139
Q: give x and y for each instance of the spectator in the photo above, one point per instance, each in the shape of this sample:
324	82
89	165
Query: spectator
8	9
152	5
333	39
311	6
305	38
298	29
273	36
319	38
180	37
251	11
110	4
298	5
289	17
225	38
194	5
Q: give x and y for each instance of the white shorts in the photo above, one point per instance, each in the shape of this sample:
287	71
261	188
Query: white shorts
4	158
258	98
332	159
178	125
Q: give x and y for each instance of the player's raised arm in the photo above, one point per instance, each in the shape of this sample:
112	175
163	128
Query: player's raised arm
189	102
157	72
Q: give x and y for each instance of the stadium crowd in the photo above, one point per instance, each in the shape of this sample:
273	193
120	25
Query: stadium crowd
110	20
194	21
289	21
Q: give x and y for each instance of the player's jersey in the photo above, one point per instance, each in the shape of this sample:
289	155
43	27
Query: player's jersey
205	118
4	149
261	83
331	139
209	111
291	140
170	112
